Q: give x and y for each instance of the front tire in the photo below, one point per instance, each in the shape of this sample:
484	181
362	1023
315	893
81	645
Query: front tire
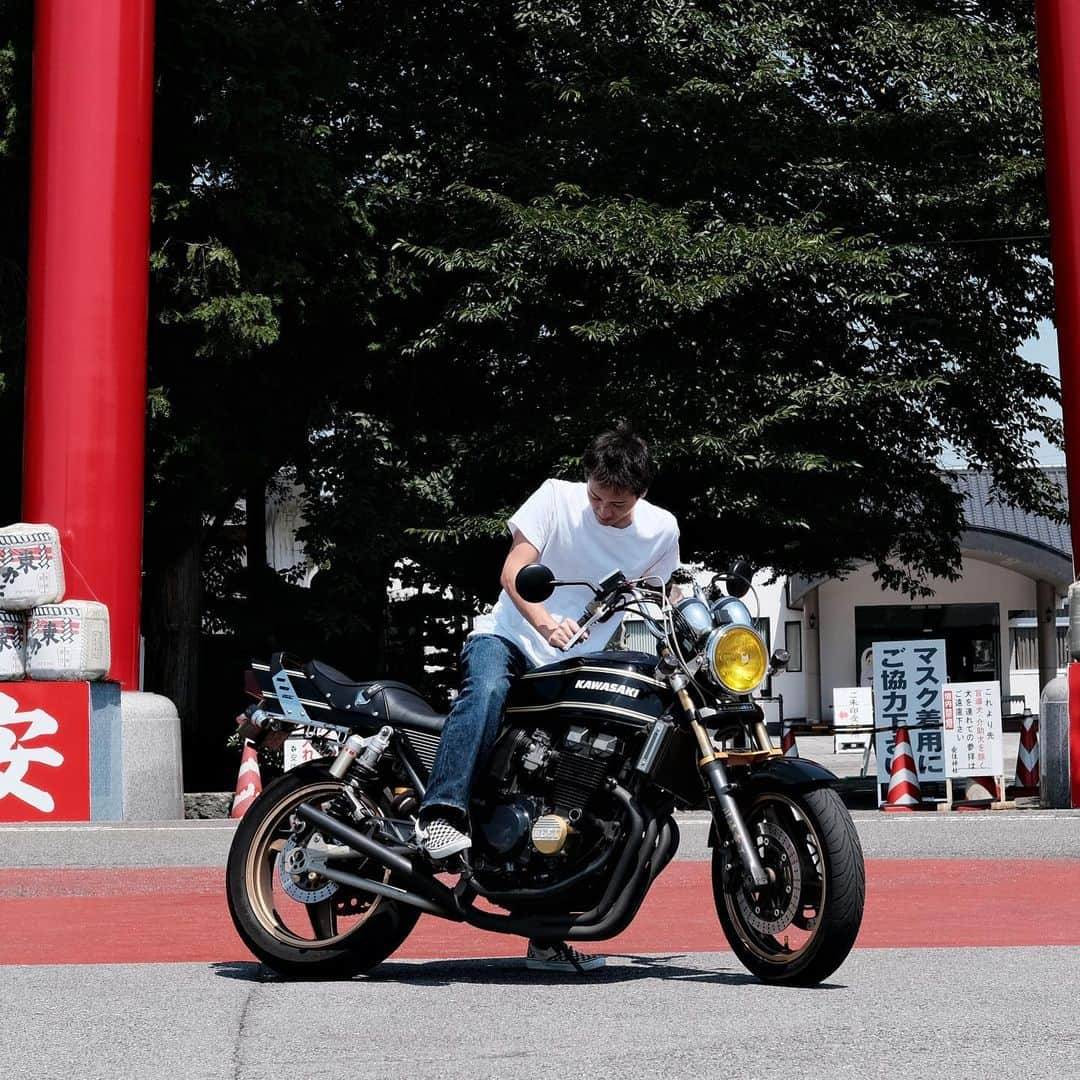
303	925
798	929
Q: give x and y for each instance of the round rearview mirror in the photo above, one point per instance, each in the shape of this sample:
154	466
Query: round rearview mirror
738	578
534	583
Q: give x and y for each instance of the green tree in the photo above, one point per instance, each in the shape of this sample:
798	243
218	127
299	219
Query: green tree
417	256
782	237
261	286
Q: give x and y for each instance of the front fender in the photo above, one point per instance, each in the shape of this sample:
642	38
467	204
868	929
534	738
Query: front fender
795	774
789	772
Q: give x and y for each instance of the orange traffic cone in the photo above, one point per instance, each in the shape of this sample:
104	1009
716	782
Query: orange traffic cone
248	781
787	742
1027	756
904	792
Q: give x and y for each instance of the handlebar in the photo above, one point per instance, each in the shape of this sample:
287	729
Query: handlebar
598	608
535	583
586	620
591	609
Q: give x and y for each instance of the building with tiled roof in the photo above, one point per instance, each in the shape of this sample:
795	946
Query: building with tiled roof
1003	621
985	513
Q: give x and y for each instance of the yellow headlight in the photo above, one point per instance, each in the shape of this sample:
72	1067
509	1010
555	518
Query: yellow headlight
738	658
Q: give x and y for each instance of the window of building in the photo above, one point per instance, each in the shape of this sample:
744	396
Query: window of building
793	644
1024	640
764	628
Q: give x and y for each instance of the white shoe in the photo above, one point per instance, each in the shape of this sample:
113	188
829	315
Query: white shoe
441	839
560	957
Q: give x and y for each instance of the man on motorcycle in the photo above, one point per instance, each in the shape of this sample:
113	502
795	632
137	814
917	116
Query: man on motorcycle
581	532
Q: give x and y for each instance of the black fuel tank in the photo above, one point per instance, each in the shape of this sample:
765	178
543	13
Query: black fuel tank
617	687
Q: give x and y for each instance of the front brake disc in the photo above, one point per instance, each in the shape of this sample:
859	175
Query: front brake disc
771	908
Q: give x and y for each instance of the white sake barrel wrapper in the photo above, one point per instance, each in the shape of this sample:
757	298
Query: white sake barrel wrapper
12	646
68	641
31	569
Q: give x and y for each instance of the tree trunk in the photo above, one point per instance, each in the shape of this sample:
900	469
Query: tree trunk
256	630
255	497
172	623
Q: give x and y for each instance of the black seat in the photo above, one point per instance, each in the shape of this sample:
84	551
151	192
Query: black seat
406	708
400	704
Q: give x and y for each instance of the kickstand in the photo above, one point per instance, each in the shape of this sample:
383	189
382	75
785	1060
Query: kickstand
463	888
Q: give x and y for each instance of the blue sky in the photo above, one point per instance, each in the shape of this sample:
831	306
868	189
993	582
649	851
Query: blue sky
1043	350
1039	350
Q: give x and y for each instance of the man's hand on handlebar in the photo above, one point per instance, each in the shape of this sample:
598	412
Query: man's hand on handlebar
562	633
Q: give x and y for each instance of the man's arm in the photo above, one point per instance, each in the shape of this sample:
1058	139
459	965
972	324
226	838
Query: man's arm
555	632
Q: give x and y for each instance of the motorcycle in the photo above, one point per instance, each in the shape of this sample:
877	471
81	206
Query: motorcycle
571	814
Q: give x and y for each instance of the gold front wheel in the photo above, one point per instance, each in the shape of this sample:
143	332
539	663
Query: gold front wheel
798	928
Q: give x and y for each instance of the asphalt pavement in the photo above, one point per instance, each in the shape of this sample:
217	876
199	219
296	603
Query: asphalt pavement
75	898
957	1013
998	834
990	834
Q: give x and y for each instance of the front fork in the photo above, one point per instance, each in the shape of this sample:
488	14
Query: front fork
715	773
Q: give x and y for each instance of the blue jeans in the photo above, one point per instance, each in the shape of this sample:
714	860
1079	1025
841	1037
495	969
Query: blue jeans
489	664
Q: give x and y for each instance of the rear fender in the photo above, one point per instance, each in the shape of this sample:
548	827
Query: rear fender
779	773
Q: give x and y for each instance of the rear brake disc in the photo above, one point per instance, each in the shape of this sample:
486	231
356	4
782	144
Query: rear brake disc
297	876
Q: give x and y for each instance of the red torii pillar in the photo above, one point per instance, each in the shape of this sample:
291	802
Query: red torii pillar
86	345
1059	66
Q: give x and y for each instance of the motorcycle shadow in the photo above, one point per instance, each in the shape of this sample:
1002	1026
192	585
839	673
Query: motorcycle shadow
621	968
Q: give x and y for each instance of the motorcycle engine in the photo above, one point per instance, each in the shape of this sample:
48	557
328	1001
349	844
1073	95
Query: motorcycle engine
540	811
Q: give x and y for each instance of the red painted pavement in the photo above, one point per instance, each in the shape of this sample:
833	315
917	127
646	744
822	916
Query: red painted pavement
174	915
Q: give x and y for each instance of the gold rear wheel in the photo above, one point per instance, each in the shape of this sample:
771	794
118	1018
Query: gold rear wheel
290	898
292	917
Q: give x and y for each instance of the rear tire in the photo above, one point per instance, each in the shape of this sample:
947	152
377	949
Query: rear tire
799	928
347	933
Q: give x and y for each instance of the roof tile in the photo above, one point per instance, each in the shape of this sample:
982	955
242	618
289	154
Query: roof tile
981	512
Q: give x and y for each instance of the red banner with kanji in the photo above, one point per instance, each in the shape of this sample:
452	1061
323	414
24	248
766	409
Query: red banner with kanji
44	751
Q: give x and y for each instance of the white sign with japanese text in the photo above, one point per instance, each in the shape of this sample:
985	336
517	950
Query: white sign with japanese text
908	680
853	707
297	751
972	714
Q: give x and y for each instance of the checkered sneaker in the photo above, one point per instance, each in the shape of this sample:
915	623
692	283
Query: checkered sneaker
560	957
441	839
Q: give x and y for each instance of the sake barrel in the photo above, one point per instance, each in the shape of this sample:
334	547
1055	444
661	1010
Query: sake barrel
31	569
12	645
68	641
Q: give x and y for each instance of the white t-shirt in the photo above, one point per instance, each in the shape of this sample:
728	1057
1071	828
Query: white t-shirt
559	522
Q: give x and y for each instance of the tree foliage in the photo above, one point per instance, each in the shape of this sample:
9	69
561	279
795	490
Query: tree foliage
418	256
800	243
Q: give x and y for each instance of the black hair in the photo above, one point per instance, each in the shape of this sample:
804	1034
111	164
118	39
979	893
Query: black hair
620	459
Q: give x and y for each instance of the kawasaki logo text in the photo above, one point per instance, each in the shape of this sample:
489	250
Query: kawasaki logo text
607	687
